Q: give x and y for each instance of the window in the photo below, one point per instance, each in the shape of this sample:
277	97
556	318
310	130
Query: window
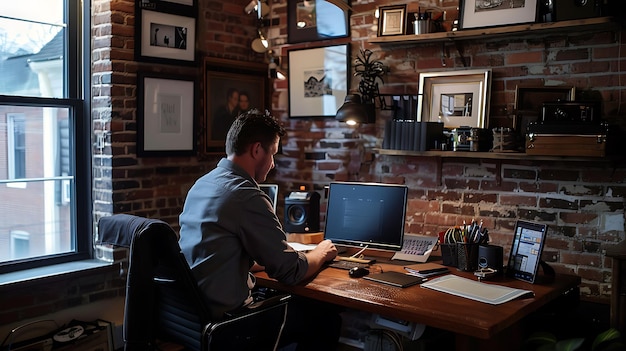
20	244
16	148
45	185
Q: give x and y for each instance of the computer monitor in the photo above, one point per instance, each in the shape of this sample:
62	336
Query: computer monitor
272	191
526	250
366	215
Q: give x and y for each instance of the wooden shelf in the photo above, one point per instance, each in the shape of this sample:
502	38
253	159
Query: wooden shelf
498	158
491	155
520	30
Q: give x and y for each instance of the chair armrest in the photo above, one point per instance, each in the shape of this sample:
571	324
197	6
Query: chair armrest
260	305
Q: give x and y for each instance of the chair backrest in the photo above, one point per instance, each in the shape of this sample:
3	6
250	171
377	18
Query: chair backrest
162	297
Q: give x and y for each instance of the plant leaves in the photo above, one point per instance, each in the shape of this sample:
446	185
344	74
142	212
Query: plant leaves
541	338
569	344
605	337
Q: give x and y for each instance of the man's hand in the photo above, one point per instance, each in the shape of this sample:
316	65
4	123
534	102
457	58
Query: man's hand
324	252
327	250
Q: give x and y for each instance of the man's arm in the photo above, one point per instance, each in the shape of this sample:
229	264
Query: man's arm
324	252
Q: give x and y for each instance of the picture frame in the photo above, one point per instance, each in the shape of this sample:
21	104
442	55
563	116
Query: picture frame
318	80
392	20
529	100
309	21
221	78
180	7
489	13
165	38
165	115
455	98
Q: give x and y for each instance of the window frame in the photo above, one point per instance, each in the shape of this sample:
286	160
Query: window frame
77	90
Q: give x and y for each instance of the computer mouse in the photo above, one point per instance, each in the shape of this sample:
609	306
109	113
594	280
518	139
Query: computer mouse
358	272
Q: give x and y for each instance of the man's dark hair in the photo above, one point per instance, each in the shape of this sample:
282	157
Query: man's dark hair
230	92
251	127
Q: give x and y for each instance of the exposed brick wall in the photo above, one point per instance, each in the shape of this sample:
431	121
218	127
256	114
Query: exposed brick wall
583	202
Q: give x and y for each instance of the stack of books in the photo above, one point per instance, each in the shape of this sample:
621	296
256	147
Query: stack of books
412	135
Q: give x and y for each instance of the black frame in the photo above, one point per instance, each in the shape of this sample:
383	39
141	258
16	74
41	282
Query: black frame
506	16
142	121
184	20
382	22
297	82
297	35
170	7
222	74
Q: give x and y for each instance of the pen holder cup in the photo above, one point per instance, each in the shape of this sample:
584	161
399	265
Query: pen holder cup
448	254
467	256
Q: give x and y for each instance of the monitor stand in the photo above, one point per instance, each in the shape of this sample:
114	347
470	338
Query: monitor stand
355	259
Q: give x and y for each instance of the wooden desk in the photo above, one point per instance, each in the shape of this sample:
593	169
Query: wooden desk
476	325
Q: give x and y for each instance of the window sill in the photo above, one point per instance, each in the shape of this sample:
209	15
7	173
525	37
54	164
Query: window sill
46	274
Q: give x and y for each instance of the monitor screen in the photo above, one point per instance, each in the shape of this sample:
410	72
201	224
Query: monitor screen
272	191
366	215
526	250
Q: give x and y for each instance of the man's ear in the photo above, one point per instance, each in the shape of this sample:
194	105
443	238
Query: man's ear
255	149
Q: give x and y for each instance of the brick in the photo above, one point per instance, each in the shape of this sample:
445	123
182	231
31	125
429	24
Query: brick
522	200
559	174
554	203
578	218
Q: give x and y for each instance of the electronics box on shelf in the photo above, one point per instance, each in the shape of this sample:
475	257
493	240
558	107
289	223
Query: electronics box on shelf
557	140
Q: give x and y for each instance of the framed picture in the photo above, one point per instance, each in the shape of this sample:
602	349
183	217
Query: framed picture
317	20
392	20
488	13
179	7
318	80
165	115
455	98
165	38
230	89
529	101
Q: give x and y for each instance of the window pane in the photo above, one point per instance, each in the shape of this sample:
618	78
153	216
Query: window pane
32	50
40	201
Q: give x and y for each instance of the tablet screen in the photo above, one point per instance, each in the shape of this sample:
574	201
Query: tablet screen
526	250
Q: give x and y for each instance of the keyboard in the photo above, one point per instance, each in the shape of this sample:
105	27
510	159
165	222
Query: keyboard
347	265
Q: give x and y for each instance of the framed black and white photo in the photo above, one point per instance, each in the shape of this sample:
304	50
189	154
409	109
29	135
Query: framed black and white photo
455	98
165	38
489	13
318	80
317	20
392	20
165	115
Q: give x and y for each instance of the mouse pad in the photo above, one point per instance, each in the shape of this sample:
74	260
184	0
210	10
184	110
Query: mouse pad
395	278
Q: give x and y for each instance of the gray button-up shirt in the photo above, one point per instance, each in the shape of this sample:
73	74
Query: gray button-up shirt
227	223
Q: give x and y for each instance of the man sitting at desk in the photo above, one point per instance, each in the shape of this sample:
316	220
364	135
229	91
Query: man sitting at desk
228	225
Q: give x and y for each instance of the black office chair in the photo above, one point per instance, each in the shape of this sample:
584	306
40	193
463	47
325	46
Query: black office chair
164	302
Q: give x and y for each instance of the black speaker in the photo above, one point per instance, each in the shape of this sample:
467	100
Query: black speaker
490	256
302	212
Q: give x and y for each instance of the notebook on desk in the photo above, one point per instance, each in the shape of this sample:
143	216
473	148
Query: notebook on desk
398	279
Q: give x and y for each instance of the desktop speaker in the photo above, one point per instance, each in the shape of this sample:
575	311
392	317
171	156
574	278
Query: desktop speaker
490	256
302	212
